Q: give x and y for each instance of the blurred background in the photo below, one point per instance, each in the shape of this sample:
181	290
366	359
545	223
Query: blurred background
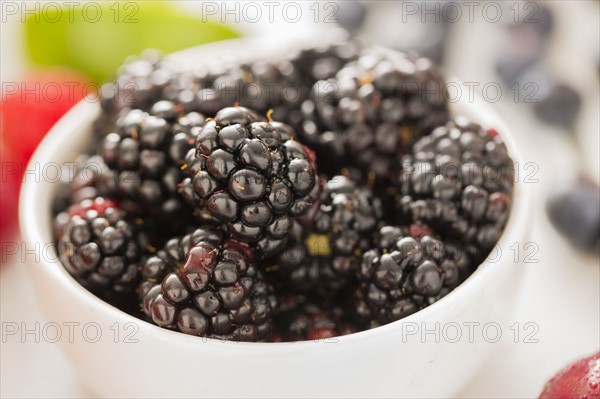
536	63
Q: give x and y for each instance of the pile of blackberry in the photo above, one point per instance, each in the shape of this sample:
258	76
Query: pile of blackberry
297	198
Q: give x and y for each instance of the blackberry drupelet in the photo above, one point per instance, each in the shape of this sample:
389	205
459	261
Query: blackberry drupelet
337	231
249	176
200	285
404	274
302	318
375	108
458	181
100	246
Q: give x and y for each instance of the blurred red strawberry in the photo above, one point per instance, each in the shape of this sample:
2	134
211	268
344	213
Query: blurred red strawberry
10	181
30	107
579	380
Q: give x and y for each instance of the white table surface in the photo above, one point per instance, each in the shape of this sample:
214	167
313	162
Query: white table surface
561	292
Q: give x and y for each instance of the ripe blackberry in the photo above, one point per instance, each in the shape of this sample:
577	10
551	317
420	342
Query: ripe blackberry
374	108
325	253
144	158
199	287
404	274
139	83
194	91
261	86
323	62
458	180
302	318
247	175
99	246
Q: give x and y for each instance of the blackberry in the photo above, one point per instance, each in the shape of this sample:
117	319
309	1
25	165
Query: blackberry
261	86
458	180
323	62
404	274
326	252
559	105
200	285
345	210
99	246
194	91
144	158
301	318
573	207
374	108
249	176
275	86
139	84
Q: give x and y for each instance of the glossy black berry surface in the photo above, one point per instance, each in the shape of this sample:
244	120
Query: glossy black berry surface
404	274
201	285
373	109
323	251
143	159
99	245
247	175
458	181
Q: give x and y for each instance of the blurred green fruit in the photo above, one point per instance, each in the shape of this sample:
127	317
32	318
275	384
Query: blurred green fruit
97	37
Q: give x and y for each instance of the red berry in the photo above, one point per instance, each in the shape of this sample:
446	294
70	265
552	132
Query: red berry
9	186
578	380
33	105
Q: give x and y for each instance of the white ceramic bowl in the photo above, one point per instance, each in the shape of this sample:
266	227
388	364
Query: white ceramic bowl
119	355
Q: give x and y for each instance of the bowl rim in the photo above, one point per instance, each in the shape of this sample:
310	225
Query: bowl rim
79	119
